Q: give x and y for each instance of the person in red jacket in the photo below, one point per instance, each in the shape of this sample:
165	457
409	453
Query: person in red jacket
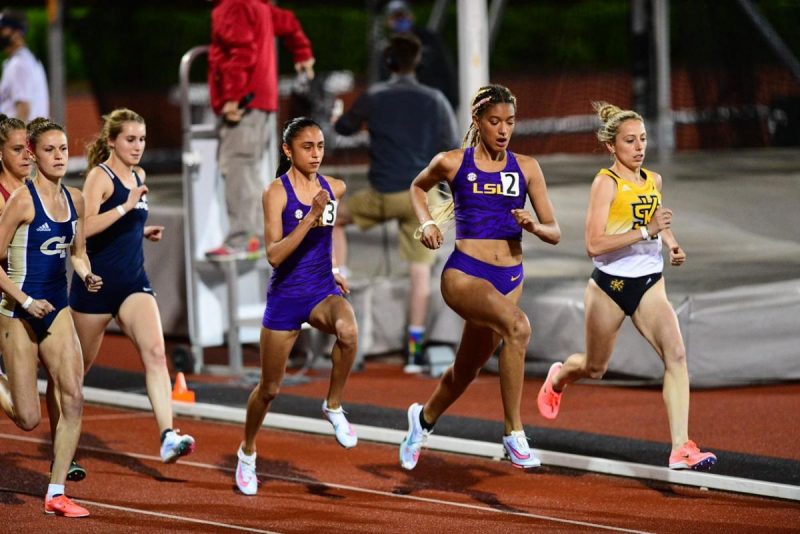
243	86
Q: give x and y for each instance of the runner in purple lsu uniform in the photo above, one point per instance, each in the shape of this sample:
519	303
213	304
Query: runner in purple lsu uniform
299	215
482	279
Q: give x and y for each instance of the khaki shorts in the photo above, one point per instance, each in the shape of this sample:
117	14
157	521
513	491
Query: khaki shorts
368	207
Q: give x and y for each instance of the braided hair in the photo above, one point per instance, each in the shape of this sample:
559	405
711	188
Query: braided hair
486	96
612	116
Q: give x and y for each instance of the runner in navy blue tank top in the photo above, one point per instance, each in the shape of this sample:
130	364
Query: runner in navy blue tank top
41	225
482	280
116	213
299	215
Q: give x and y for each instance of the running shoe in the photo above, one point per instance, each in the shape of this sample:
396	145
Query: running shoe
174	446
246	479
62	505
414	440
345	434
689	456
76	473
252	250
519	452
548	400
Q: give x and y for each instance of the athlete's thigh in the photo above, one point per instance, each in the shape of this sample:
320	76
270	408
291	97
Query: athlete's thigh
140	320
477	301
21	361
603	320
275	347
61	353
656	319
91	328
331	309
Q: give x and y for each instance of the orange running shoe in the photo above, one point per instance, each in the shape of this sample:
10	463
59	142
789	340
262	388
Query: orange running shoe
62	505
690	457
549	400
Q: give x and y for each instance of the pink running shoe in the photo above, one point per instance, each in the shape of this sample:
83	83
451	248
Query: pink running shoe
548	400
690	457
62	505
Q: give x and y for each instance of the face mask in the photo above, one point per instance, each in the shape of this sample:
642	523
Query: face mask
5	40
401	25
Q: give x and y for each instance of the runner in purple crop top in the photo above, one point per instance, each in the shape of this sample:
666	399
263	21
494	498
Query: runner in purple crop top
482	279
299	214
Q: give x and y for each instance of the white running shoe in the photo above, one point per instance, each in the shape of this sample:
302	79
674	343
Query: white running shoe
345	434
174	446
519	452
414	440
246	479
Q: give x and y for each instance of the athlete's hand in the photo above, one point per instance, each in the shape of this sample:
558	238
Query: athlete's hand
525	220
676	255
93	282
134	197
153	233
321	200
39	308
661	220
432	237
341	281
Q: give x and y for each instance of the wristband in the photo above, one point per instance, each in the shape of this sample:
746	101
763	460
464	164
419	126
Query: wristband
645	233
426	224
121	210
27	303
335	270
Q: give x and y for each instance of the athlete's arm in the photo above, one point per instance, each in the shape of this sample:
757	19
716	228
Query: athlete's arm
677	256
339	189
77	254
546	228
443	166
18	211
96	190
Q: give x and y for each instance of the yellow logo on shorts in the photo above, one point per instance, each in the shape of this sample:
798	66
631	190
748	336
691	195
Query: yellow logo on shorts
617	284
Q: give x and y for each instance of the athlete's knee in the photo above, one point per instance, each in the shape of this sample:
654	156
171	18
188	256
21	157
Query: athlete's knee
519	329
268	391
72	401
675	356
28	418
154	357
347	333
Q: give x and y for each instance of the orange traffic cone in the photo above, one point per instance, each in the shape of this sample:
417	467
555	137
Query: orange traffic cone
181	392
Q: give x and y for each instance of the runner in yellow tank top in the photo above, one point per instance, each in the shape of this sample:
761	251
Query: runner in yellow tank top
625	226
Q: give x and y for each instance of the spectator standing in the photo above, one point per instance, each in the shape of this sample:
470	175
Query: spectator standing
23	85
408	124
243	86
436	69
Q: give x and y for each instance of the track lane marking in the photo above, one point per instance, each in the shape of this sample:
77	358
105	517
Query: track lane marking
333	485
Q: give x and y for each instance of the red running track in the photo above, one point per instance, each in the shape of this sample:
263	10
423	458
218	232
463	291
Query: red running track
310	484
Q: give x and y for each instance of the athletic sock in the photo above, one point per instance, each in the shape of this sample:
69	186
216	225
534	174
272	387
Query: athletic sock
54	490
415	337
164	434
425	425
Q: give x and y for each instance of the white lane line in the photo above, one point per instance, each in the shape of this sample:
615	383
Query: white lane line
155	514
333	485
172	516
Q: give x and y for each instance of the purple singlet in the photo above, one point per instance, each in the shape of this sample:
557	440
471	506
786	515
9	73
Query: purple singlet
484	200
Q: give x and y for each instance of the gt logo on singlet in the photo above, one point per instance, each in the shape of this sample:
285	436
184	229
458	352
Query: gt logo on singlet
508	186
55	246
328	217
643	210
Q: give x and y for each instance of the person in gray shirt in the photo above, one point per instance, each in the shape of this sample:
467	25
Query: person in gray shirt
408	124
